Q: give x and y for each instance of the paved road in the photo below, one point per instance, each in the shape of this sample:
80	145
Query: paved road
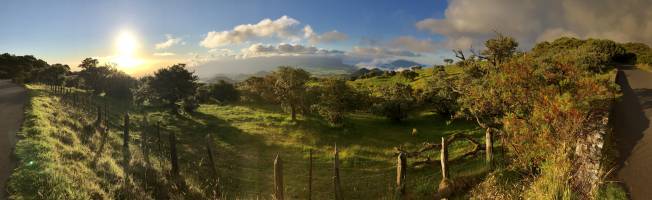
633	132
12	100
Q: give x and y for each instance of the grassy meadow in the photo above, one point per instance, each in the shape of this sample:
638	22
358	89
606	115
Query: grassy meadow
63	156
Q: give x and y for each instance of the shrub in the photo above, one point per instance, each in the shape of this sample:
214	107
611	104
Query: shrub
395	102
223	92
335	100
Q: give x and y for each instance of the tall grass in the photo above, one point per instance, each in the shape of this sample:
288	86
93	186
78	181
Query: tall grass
63	156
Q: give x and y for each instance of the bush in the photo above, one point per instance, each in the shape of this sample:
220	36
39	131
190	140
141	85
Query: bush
172	86
395	102
190	104
223	91
335	100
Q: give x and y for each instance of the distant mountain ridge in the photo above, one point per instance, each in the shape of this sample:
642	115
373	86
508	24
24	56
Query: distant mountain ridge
400	63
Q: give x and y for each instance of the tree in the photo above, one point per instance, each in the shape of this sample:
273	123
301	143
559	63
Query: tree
638	53
395	102
223	92
21	69
290	88
336	98
174	86
439	94
258	89
55	74
499	49
448	61
94	76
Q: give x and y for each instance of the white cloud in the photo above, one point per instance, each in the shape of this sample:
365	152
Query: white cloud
470	22
164	54
285	49
284	27
169	42
414	44
328	37
379	52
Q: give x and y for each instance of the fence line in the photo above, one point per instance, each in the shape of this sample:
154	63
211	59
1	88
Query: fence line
107	117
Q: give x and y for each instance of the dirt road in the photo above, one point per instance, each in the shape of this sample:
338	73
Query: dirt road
12	99
633	132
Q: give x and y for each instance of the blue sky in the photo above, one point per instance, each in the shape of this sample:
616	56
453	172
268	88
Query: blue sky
359	32
68	31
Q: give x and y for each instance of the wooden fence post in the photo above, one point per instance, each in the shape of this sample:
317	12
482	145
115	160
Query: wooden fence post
211	161
310	175
125	145
278	178
489	147
160	148
444	188
444	158
401	171
336	175
143	146
173	155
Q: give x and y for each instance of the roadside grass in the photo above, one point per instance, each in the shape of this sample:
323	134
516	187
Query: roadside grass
62	156
645	67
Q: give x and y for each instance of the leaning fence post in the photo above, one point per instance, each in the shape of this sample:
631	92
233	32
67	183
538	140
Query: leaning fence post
401	170
278	178
444	186
310	175
444	158
173	155
489	147
336	175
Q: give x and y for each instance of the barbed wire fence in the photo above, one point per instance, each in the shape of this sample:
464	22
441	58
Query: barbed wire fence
155	147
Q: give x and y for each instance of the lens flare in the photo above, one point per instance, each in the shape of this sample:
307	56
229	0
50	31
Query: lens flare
126	51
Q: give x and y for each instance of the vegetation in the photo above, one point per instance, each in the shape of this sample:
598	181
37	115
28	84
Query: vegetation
27	69
536	104
336	100
290	88
173	87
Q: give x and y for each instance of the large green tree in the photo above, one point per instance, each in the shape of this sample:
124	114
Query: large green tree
290	88
395	102
499	49
174	87
335	99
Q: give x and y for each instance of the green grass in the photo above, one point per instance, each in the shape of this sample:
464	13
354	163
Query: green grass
56	161
416	83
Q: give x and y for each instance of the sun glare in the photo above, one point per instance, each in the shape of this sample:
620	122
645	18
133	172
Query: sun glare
126	51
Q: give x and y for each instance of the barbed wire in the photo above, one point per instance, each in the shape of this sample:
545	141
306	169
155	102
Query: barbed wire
361	175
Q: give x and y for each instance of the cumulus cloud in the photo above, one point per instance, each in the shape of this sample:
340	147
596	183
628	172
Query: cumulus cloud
164	54
284	27
328	37
169	42
380	52
469	22
414	44
285	49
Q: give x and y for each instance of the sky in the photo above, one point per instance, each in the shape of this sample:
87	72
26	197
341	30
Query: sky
140	36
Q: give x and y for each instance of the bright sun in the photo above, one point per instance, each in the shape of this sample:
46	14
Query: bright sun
126	47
